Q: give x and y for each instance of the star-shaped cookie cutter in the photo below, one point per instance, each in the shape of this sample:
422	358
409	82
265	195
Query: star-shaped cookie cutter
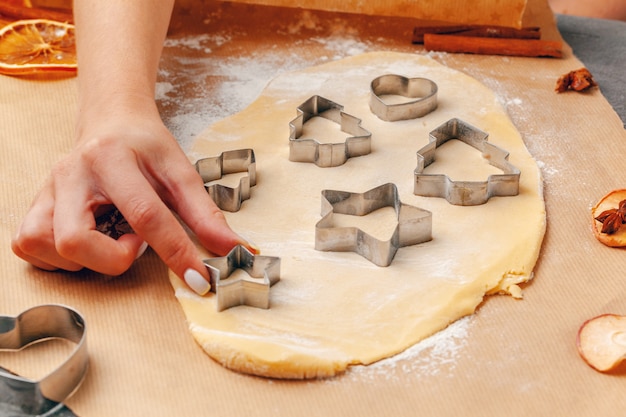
422	90
414	224
465	193
229	162
253	290
327	154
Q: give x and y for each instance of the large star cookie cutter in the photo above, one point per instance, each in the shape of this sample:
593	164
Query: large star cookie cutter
44	396
229	162
422	90
327	154
414	224
252	290
465	193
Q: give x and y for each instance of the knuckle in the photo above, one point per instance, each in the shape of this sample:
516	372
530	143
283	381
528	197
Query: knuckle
29	241
67	245
142	214
175	254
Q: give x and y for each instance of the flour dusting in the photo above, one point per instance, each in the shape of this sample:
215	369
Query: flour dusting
202	86
214	87
425	358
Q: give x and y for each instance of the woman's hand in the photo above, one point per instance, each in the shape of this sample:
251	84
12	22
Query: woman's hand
129	160
124	156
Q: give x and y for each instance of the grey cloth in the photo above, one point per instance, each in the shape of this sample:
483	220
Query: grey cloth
601	45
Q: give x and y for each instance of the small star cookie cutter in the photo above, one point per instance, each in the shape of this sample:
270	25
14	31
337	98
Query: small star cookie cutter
423	90
465	193
414	224
327	154
44	396
253	290
229	162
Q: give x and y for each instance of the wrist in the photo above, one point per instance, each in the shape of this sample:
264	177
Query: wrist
112	106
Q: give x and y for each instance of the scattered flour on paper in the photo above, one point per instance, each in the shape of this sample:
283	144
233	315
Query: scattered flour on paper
422	359
188	112
242	79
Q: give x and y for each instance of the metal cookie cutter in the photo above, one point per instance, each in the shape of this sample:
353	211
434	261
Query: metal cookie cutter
414	224
465	193
33	325
263	271
421	89
327	154
229	162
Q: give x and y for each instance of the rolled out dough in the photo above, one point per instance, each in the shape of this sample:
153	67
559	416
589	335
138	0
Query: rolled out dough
332	310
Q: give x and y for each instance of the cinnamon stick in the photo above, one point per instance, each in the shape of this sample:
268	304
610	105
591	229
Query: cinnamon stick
503	32
15	12
493	46
486	31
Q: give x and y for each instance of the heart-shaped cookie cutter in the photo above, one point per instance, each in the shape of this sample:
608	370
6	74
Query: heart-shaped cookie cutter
423	90
37	324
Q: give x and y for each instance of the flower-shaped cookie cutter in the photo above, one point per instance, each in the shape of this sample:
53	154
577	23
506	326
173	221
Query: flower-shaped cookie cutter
39	323
252	290
327	154
229	162
465	193
414	224
422	90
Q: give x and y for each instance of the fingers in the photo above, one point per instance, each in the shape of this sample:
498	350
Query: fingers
144	182
204	218
150	218
34	240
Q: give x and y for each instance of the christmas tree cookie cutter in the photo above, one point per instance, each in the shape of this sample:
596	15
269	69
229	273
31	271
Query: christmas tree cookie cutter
465	193
327	154
229	162
414	224
252	290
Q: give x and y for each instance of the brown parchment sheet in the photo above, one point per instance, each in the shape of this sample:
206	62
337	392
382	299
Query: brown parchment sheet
514	358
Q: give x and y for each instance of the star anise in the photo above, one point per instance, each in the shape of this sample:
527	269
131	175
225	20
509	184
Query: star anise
613	219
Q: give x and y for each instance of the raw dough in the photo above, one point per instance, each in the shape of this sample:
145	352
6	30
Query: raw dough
332	310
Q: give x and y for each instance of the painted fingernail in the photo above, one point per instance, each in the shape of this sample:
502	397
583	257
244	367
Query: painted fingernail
141	250
196	281
253	247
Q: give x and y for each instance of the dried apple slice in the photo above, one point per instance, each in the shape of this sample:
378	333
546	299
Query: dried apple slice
609	202
601	342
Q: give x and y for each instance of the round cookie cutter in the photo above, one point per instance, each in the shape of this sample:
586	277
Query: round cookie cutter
423	90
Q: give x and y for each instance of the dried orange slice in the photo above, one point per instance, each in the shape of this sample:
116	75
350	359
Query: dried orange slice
37	45
610	202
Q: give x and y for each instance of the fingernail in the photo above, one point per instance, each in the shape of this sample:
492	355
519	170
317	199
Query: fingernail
253	247
196	281
141	250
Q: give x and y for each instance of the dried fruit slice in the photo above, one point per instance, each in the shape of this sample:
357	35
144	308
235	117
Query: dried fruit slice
609	202
38	45
601	341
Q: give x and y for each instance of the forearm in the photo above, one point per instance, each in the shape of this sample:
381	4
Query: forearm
119	45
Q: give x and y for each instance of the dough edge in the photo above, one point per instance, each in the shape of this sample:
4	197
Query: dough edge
276	360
